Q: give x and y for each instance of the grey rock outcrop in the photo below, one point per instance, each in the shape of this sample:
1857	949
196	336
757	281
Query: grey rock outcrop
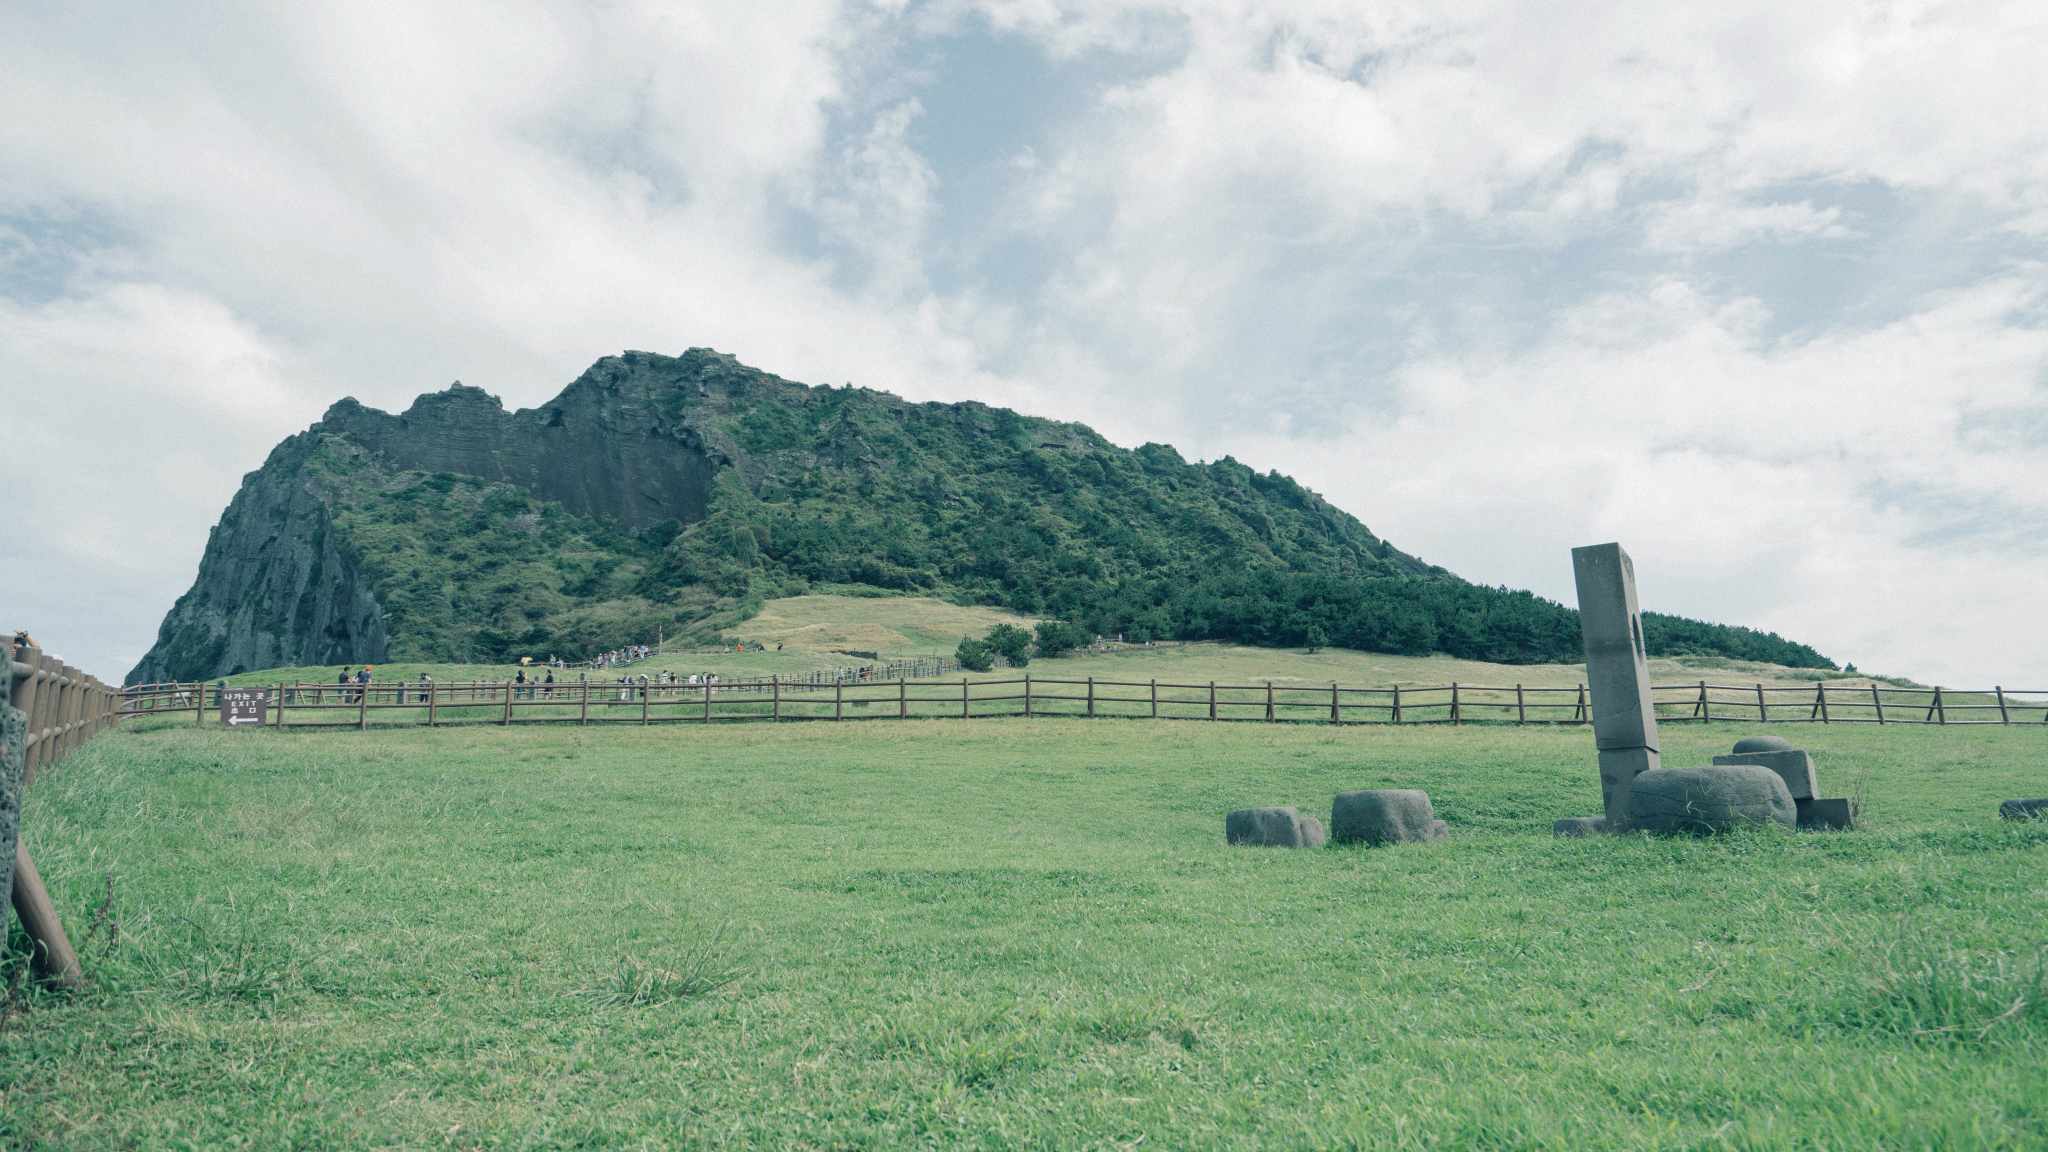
1273	828
1385	816
2024	809
1709	799
631	439
275	588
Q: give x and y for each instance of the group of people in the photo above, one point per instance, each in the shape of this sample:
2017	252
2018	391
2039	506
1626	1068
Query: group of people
353	684
524	689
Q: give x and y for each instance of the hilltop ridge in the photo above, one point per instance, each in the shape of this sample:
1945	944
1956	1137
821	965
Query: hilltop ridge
674	494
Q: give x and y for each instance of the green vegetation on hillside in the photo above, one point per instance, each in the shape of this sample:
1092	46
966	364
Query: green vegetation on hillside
465	938
476	572
841	488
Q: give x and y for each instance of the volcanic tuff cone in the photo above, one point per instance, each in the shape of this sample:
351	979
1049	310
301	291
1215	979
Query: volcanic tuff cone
674	493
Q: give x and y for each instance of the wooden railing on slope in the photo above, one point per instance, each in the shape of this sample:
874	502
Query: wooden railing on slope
629	701
61	708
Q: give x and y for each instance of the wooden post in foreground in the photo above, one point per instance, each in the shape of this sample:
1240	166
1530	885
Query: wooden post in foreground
53	958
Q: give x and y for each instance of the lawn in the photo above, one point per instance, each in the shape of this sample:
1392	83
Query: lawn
1017	934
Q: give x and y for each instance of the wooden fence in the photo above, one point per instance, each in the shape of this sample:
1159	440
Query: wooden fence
61	708
630	702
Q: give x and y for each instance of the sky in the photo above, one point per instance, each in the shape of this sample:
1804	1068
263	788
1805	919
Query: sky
1758	289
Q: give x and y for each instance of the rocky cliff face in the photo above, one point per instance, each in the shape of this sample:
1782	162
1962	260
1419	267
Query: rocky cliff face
275	585
279	586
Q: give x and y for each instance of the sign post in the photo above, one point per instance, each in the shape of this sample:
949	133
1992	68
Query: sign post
244	706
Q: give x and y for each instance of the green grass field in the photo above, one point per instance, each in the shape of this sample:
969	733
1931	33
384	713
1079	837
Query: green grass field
1016	934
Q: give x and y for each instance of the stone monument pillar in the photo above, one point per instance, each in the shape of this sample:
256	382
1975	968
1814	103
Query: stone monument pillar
1617	673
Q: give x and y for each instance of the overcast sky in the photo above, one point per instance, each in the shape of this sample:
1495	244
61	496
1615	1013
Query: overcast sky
1755	288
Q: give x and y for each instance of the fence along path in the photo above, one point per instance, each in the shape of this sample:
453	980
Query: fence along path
62	708
629	702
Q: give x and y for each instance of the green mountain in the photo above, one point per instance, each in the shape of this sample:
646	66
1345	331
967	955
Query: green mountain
674	494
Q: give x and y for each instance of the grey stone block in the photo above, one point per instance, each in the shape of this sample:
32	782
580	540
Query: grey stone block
1762	744
1709	798
1617	671
1385	816
1273	828
2024	809
1815	813
1576	826
1794	767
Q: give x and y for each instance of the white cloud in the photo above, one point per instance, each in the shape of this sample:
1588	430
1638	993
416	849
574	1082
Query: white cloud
1756	289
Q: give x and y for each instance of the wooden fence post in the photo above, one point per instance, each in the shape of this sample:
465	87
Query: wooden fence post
1269	701
1824	703
1940	713
508	705
707	699
1027	693
903	699
1334	717
1706	703
1155	698
199	702
1212	699
1091	697
647	694
1875	699
775	685
963	698
433	702
1521	711
2003	718
52	958
1397	704
1763	710
1454	702
839	699
363	706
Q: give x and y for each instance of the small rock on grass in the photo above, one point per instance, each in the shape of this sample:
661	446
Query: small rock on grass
1386	816
2024	809
1273	828
1761	744
1709	798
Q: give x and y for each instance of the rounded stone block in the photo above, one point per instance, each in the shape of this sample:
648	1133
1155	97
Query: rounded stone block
1385	816
1273	828
1711	798
1576	826
1761	744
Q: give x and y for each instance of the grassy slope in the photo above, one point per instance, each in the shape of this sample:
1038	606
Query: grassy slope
1020	934
816	630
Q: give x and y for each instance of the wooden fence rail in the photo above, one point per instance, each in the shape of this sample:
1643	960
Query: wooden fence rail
631	702
58	708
